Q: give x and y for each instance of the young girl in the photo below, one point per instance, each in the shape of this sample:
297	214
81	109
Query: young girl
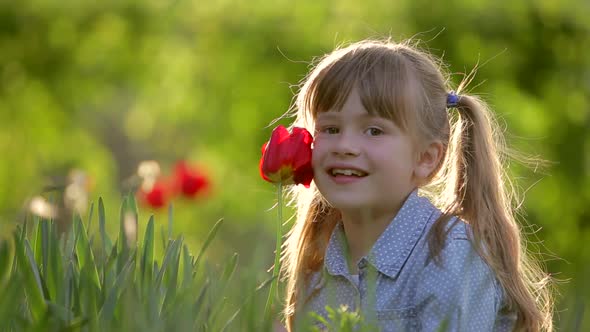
389	132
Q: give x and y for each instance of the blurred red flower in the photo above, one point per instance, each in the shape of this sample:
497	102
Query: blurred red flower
286	157
189	180
154	193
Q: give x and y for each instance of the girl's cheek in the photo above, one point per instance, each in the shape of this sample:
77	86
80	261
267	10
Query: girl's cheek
316	153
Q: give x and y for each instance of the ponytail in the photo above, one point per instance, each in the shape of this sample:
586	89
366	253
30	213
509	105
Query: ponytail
476	189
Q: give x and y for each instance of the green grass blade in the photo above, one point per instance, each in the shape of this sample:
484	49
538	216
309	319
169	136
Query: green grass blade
75	325
38	244
89	294
172	273
260	288
107	310
170	220
90	213
230	269
122	246
147	258
107	245
45	247
59	311
5	261
171	251
84	252
110	269
32	281
163	238
187	267
68	288
207	242
132	205
198	305
226	276
55	261
9	310
69	250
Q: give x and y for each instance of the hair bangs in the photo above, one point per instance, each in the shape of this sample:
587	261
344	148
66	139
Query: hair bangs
385	83
333	87
389	90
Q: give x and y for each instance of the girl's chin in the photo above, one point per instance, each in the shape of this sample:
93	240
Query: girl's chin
351	205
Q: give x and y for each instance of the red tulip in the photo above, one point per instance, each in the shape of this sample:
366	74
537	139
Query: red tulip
189	180
286	158
154	194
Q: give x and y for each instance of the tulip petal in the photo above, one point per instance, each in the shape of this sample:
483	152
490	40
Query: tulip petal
304	175
262	171
302	140
272	156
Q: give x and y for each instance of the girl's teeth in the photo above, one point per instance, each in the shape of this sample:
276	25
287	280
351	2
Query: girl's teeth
346	172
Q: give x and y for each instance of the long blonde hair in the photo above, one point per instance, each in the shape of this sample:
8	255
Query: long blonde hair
400	82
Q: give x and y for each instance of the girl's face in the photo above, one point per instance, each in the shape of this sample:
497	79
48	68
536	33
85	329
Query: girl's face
362	163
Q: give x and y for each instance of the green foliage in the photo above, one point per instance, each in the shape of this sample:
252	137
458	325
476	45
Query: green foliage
342	320
66	282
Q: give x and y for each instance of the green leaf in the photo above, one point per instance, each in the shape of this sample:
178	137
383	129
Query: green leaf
32	281
84	252
45	246
110	268
38	244
171	252
88	293
59	311
207	242
188	267
90	213
9	310
263	286
75	324
198	305
53	272
132	205
107	245
226	275
5	261
68	288
107	310
163	238
122	246
70	245
172	273
147	258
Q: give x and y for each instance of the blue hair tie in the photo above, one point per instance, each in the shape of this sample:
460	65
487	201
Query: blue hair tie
452	99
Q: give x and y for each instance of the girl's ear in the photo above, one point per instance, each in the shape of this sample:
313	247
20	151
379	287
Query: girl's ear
428	161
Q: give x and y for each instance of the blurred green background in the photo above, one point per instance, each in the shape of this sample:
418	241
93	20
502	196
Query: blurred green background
101	86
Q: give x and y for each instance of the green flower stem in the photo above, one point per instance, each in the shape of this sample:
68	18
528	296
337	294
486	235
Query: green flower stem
277	266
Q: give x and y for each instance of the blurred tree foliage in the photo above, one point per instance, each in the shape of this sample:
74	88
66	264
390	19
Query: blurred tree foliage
100	86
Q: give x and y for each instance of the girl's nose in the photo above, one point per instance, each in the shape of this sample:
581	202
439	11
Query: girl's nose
346	145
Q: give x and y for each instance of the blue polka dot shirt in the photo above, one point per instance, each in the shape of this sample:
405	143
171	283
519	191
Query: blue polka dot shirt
400	288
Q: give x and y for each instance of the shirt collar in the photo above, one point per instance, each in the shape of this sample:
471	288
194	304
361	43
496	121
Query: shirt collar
393	247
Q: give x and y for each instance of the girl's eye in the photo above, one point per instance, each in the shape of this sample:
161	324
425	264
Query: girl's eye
374	131
329	130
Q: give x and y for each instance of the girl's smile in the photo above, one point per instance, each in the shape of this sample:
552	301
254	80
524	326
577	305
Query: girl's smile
345	173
